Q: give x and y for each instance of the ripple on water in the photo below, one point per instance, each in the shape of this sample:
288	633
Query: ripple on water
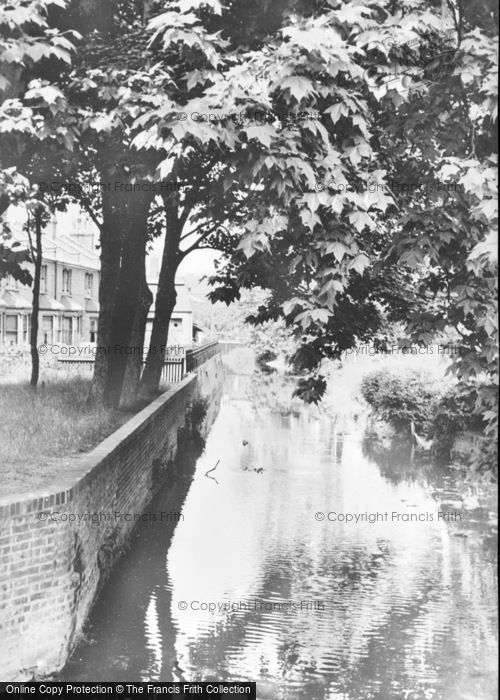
405	606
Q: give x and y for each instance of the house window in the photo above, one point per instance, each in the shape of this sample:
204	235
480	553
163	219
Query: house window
26	328
48	329
89	285
67	330
66	285
11	322
43	279
93	330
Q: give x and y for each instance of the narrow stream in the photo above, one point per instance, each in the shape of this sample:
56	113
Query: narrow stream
259	580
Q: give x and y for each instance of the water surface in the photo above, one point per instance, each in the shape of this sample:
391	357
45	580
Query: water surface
252	583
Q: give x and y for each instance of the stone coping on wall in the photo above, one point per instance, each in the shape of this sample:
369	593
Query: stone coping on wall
78	470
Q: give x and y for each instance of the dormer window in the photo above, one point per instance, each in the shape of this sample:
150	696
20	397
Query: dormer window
66	284
89	285
43	279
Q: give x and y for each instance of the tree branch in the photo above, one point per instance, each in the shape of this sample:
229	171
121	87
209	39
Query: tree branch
195	230
30	239
196	244
90	212
186	210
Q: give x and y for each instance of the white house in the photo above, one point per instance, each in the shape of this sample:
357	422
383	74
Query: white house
183	330
69	289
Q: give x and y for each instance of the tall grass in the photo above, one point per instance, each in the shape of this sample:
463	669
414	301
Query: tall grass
36	428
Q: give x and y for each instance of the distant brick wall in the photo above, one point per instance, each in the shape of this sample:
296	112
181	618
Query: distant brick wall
51	570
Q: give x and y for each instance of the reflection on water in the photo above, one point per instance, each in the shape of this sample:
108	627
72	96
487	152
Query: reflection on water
252	584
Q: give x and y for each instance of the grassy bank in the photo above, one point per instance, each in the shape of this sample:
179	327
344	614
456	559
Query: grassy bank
37	428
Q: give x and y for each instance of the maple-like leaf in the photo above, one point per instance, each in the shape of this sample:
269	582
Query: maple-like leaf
263	133
298	87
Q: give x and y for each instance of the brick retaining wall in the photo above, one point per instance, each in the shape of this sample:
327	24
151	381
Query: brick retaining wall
52	569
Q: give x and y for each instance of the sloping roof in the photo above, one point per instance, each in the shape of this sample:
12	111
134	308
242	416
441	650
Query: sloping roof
66	250
62	248
183	301
91	306
71	305
15	300
48	303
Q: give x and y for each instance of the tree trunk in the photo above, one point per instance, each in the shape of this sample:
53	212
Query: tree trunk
128	295
132	376
164	304
35	359
111	241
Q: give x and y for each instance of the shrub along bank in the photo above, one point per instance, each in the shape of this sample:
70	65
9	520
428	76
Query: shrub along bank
440	411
